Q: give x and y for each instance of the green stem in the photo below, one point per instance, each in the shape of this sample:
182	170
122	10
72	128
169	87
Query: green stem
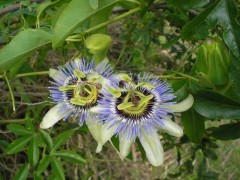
29	74
112	20
32	74
189	77
12	121
11	92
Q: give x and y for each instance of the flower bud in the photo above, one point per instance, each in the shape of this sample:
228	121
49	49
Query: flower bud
98	45
213	59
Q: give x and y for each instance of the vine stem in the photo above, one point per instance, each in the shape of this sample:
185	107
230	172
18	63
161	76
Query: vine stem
12	121
29	74
99	26
11	92
113	20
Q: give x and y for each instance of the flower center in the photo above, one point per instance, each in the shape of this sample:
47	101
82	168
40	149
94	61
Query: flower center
80	91
134	103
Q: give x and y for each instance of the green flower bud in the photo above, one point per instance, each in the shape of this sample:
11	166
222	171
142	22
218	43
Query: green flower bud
98	45
213	59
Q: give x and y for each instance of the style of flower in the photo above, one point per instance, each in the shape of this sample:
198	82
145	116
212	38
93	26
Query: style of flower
75	90
139	110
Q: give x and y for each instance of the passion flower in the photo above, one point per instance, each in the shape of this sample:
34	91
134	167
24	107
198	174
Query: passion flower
138	110
75	90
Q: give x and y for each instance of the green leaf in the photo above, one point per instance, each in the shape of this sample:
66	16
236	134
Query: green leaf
33	151
22	173
22	45
215	106
57	167
188	4
75	13
221	12
37	176
234	74
94	3
70	155
47	139
194	125
19	129
43	164
18	145
225	132
61	139
179	88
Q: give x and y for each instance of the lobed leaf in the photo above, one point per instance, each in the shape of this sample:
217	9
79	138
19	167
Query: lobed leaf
70	155
75	13
18	144
188	4
22	173
47	139
19	129
43	164
33	151
225	132
215	106
57	168
194	125
22	45
221	12
61	139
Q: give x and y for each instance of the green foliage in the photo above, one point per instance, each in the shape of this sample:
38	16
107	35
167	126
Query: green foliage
194	126
74	15
225	132
215	106
22	45
167	38
221	12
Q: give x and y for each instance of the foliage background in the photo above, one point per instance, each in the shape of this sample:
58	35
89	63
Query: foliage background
161	37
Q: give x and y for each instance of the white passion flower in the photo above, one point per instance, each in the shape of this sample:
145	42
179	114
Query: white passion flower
138	110
75	90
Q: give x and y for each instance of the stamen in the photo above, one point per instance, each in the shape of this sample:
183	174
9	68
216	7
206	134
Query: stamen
145	84
79	74
68	87
125	105
116	93
77	101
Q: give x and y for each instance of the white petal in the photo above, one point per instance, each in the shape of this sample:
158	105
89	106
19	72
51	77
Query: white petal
103	63
153	148
100	132
125	146
54	74
96	109
183	105
172	128
52	117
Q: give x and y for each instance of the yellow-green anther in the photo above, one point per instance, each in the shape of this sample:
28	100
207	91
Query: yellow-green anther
145	84
116	93
125	105
94	78
77	102
126	78
79	74
68	87
145	99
